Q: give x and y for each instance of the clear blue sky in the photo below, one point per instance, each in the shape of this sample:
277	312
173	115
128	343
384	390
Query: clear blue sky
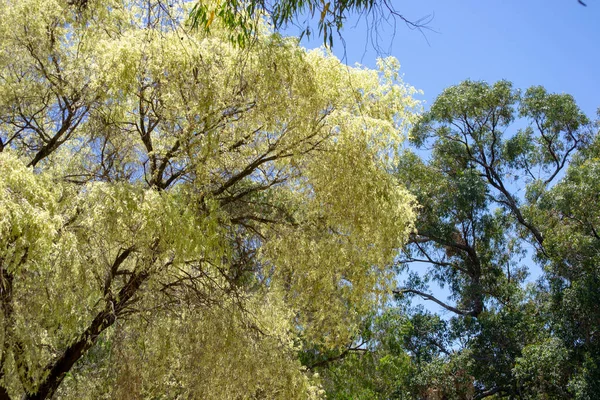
554	43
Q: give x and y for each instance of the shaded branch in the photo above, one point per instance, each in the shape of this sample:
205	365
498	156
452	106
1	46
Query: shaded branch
340	356
401	292
57	369
490	392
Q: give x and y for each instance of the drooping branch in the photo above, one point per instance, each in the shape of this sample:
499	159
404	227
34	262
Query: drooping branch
331	16
10	338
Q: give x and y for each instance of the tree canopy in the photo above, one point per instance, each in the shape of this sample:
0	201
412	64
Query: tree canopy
182	216
176	210
508	185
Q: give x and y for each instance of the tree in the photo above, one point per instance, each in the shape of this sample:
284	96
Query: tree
375	368
568	218
176	210
240	16
475	223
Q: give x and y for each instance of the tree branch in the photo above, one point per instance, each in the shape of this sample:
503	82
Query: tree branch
426	296
57	370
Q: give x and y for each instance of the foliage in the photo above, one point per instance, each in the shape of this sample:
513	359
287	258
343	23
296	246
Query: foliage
176	210
475	225
376	368
185	217
509	180
239	16
568	215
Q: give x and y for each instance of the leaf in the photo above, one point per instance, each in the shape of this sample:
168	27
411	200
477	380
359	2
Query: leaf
324	12
210	19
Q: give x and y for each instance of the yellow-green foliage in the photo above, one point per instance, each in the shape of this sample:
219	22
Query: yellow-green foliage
214	204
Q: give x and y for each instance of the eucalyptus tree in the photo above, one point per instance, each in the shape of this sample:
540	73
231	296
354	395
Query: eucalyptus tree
492	188
175	210
568	216
239	15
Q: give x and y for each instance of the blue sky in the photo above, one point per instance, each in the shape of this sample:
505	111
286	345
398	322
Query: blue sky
554	43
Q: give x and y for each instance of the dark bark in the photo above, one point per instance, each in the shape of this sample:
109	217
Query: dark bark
59	368
4	394
338	357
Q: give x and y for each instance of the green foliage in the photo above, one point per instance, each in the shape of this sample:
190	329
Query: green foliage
487	192
568	216
378	368
212	213
475	222
542	370
241	17
176	210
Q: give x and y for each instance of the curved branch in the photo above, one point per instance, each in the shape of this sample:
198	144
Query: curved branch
488	393
435	300
340	356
